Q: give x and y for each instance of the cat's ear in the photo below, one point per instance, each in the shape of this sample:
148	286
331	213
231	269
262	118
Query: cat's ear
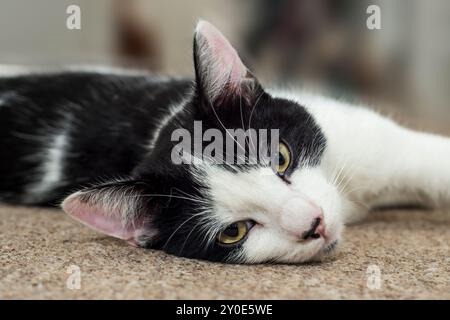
119	209
220	73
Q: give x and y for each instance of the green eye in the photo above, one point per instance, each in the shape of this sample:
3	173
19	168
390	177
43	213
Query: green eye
284	159
235	232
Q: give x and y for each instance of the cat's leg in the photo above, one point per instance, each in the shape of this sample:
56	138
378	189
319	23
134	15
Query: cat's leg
376	162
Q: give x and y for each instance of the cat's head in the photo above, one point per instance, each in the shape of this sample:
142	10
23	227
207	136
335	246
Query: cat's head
274	209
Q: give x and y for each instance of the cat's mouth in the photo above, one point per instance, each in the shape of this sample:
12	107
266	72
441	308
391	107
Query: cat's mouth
326	252
330	247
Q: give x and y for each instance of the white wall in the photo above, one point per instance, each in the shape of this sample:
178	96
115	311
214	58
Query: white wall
34	32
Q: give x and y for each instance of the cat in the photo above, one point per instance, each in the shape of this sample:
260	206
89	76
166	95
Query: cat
103	143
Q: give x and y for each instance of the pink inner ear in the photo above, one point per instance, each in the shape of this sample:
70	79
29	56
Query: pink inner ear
222	56
96	218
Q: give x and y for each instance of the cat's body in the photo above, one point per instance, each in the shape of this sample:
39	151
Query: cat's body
60	132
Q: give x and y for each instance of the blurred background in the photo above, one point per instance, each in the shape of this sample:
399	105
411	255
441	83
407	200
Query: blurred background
403	69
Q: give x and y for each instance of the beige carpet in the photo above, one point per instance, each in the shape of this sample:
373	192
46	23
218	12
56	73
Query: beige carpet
410	249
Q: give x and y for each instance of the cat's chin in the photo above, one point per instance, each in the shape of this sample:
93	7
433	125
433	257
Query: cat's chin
327	252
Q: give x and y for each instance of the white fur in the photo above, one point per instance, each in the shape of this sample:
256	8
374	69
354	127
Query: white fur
379	162
6	97
51	171
173	110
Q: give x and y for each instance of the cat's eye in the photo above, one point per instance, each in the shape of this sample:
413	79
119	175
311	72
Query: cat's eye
284	159
235	232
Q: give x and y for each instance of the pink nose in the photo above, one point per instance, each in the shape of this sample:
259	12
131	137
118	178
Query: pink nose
303	219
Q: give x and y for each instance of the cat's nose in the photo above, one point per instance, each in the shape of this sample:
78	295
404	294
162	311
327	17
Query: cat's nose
302	219
317	229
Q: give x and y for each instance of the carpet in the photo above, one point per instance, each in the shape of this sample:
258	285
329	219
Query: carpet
394	255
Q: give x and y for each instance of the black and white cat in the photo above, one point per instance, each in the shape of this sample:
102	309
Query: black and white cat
107	137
